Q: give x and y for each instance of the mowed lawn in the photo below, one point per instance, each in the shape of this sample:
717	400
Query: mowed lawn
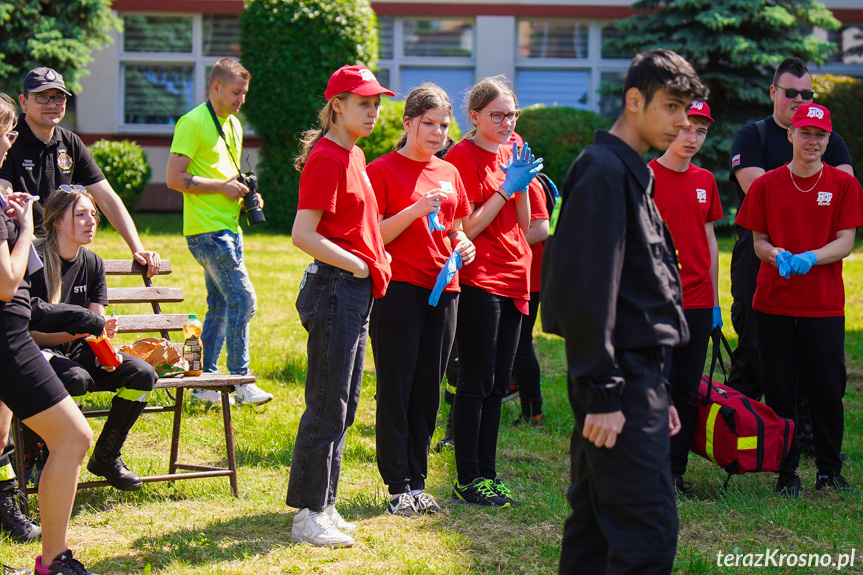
197	527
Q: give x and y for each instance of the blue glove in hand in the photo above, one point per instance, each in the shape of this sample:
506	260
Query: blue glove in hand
717	317
520	171
784	264
434	223
802	263
445	276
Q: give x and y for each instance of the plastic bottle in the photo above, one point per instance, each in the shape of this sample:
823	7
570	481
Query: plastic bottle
192	351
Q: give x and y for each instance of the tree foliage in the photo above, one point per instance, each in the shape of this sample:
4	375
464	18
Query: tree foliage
60	35
291	47
735	45
125	166
842	96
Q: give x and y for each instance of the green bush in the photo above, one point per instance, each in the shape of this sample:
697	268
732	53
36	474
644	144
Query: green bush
558	135
292	47
125	167
842	95
389	129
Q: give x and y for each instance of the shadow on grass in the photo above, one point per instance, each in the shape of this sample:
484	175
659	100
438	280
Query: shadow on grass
217	542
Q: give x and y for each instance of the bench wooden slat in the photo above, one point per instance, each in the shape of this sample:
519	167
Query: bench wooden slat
145	294
151	322
133	268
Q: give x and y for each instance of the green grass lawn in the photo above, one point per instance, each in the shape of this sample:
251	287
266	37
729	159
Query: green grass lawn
198	527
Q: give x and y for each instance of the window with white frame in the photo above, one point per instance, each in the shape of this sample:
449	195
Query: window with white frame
417	50
164	62
561	63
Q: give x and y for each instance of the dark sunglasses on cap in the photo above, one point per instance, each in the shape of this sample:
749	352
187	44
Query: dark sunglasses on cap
790	93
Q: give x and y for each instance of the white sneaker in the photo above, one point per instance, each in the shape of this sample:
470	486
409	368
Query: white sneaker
339	521
317	529
251	393
403	504
210	396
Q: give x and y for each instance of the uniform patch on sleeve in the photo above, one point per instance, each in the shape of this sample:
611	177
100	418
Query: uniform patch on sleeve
735	161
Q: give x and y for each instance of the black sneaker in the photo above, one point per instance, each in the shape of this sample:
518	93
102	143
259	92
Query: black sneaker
503	491
447	441
511	392
831	481
403	505
426	504
788	484
681	488
480	492
6	570
535	421
64	564
12	521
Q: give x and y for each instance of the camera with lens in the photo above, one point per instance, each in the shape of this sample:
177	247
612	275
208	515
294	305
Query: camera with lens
252	201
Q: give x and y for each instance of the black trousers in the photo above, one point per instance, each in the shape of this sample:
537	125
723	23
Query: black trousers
745	374
810	350
624	515
411	341
487	336
684	366
525	369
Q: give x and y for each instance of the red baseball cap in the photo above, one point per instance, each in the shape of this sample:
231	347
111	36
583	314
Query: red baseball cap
700	108
812	115
355	79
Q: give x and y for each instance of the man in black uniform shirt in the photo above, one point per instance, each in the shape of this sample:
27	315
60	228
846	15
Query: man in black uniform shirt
758	148
611	288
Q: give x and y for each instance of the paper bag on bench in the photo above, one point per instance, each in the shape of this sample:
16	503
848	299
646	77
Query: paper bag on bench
162	354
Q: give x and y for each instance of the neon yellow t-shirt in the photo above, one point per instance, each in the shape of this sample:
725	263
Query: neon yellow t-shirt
195	137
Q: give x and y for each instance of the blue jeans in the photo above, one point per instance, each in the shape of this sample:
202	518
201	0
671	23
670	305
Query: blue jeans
231	301
334	308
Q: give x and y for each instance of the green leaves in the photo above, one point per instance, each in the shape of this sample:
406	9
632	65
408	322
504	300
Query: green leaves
125	167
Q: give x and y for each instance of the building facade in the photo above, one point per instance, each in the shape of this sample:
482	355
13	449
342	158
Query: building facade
552	50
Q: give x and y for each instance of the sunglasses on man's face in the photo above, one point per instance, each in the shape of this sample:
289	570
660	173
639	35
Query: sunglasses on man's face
790	93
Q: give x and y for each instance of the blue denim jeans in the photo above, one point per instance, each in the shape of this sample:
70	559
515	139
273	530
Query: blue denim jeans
231	301
334	308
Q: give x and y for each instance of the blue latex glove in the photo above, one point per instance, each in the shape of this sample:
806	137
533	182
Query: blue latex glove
784	264
434	223
802	263
445	276
717	317
520	171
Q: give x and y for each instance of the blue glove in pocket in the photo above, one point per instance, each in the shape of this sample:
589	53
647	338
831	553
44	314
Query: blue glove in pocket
717	317
445	276
802	263
434	223
784	264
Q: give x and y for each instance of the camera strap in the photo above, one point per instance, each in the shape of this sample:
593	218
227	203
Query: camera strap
222	134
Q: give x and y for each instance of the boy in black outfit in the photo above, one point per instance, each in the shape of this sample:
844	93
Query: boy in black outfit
612	290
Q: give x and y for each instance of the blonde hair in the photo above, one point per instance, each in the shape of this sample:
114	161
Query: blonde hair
423	98
8	111
56	206
485	92
327	118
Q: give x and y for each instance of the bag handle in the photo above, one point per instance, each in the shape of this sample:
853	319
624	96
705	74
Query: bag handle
718	340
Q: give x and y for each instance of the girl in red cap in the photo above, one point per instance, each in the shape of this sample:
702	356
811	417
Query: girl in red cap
688	200
494	291
422	202
337	223
804	216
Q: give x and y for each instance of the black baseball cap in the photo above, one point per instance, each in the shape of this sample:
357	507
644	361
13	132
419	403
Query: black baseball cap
42	78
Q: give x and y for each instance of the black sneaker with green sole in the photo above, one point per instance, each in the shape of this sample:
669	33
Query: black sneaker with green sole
480	492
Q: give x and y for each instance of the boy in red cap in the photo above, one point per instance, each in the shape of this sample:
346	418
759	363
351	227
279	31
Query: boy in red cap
688	201
803	217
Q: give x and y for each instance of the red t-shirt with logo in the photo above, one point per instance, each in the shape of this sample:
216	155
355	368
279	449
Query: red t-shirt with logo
687	201
800	222
538	211
399	182
502	261
334	180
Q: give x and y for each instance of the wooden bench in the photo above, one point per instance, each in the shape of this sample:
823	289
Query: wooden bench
163	323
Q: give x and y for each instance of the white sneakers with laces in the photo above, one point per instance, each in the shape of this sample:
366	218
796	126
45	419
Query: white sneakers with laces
210	396
252	394
318	529
339	521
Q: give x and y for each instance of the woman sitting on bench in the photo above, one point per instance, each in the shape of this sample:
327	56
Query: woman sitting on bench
75	275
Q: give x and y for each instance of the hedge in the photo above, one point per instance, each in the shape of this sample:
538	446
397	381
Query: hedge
125	166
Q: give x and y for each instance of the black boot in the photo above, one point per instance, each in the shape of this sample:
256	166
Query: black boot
106	461
15	523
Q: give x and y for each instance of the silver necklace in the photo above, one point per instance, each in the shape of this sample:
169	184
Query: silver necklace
820	172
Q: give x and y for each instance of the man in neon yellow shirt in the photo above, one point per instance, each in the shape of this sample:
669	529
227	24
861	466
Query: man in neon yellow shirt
204	166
